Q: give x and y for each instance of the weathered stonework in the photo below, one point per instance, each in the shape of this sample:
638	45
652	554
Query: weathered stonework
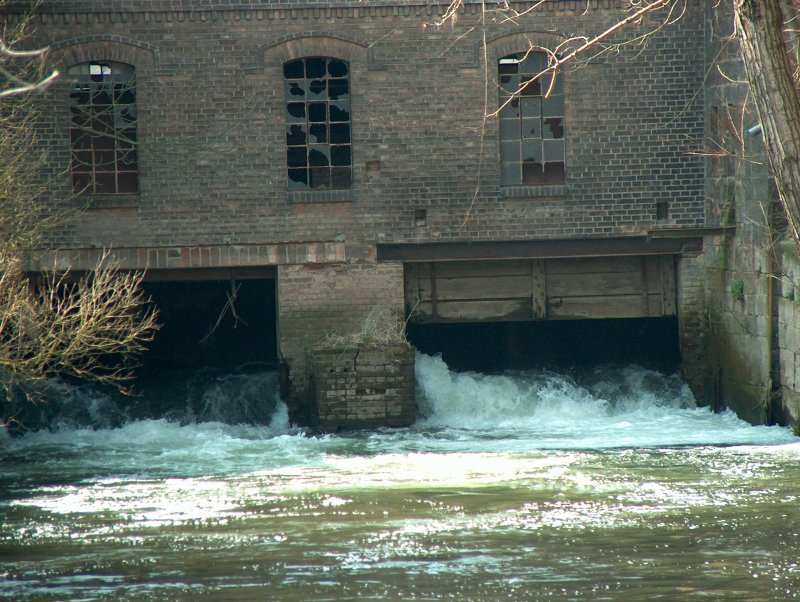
364	387
749	325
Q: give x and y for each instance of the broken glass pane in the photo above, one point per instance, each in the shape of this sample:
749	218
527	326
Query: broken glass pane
531	87
510	110
531	128
318	88
318	156
124	94
532	151
320	177
298	178
338	89
315	68
297	111
295	89
508	66
125	115
554	173
340	133
319	133
340	111
80	95
553	128
532	173
509	83
340	155
296	135
341	177
293	69
80	116
337	68
101	96
317	112
296	156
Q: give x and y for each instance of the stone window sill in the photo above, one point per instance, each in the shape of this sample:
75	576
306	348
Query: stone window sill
109	201
320	196
535	191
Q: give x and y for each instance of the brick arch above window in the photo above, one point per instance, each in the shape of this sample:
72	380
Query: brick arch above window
510	43
315	43
73	51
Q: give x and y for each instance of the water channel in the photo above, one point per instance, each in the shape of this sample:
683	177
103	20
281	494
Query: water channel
604	483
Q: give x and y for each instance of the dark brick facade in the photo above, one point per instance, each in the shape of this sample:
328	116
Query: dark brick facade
211	119
426	169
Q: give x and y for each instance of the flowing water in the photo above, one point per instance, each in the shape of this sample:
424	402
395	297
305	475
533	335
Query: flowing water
607	484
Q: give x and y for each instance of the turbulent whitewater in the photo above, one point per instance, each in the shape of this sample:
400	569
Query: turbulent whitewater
599	483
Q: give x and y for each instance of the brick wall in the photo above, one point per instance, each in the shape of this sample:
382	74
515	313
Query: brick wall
364	387
314	301
212	154
211	124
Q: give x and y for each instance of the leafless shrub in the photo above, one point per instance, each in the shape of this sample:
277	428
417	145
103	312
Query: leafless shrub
88	327
381	326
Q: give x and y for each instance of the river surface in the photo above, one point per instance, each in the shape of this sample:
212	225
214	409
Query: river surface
604	484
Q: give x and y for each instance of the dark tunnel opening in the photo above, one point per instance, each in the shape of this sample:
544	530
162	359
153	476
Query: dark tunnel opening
498	346
222	324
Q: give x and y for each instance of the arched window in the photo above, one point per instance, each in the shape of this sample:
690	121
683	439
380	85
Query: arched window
532	150
103	128
318	148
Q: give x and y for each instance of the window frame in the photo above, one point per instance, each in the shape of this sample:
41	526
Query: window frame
103	128
324	163
536	160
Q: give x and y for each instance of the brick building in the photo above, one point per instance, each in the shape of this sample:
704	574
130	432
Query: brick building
341	150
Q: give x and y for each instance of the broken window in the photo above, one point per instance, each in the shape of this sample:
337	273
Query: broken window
103	128
318	149
532	150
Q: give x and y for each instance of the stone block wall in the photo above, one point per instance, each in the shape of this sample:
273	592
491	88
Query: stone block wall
749	323
788	332
690	287
364	387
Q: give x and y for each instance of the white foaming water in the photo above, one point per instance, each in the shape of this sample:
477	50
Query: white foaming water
604	408
612	476
460	413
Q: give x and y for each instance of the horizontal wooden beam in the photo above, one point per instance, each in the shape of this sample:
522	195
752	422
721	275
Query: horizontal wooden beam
537	249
